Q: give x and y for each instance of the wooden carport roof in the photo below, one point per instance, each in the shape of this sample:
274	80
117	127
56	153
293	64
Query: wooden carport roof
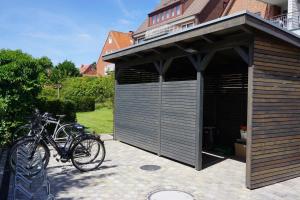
211	36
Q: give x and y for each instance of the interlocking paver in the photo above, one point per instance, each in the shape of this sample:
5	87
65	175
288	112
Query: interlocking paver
120	178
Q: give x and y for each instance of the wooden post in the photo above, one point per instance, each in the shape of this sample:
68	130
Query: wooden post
249	115
159	67
115	101
199	120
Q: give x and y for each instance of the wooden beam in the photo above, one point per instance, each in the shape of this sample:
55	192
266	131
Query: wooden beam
138	55
246	29
207	39
167	65
206	60
195	60
185	49
158	66
243	54
177	53
155	51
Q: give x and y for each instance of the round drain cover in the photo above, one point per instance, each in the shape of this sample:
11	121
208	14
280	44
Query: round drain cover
150	167
170	194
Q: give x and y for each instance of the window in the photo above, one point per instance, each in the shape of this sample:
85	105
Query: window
187	26
162	16
173	12
109	40
158	18
154	19
168	14
178	11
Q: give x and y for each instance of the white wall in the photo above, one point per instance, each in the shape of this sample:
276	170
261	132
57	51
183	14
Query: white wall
294	14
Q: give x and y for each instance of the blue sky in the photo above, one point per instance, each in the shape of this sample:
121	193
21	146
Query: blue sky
67	29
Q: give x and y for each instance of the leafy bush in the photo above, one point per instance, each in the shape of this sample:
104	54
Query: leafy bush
101	89
59	107
84	104
48	92
84	91
19	88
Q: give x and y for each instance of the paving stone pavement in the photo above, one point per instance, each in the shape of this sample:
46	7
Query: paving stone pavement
120	178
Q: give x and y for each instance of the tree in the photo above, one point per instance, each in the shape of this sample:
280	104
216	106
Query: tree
45	66
64	70
19	88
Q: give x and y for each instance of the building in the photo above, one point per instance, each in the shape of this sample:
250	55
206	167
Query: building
182	93
88	70
115	41
176	15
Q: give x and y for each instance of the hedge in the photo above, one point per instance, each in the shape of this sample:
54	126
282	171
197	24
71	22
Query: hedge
85	92
84	104
19	88
59	107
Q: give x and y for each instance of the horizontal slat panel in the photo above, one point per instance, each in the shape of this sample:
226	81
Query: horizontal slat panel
178	124
275	150
137	115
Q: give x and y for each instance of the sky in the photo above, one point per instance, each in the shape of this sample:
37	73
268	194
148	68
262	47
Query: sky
67	29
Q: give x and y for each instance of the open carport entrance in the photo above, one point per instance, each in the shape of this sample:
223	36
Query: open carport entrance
225	107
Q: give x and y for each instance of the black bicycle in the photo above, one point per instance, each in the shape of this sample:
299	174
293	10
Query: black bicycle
86	151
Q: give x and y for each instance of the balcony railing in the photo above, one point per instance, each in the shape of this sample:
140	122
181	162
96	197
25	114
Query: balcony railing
162	30
290	21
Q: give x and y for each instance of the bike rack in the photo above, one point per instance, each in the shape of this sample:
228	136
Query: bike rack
30	180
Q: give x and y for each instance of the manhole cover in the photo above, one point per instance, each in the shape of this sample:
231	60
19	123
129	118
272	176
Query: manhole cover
170	194
150	167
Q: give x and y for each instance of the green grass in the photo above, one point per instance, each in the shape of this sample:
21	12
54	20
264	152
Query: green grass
100	121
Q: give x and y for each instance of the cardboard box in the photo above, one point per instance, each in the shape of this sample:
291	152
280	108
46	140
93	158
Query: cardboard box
240	150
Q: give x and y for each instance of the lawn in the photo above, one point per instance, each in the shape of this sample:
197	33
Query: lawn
100	121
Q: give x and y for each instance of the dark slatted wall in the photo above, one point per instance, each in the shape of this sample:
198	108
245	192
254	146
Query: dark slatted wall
178	121
275	143
137	115
225	105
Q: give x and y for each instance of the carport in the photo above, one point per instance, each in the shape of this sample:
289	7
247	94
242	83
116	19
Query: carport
233	71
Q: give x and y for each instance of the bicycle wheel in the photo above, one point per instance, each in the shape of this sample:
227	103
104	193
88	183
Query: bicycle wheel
29	141
88	154
22	131
65	132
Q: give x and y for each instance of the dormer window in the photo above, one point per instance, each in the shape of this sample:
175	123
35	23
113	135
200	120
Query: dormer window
173	12
168	14
178	10
154	19
165	14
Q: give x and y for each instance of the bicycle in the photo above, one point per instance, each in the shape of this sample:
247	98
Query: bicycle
76	147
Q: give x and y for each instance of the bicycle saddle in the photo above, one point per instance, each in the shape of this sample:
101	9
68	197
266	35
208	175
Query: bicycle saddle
61	116
79	126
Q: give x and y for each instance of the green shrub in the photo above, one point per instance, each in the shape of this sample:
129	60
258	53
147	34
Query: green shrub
84	104
107	104
59	107
19	88
48	92
100	89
